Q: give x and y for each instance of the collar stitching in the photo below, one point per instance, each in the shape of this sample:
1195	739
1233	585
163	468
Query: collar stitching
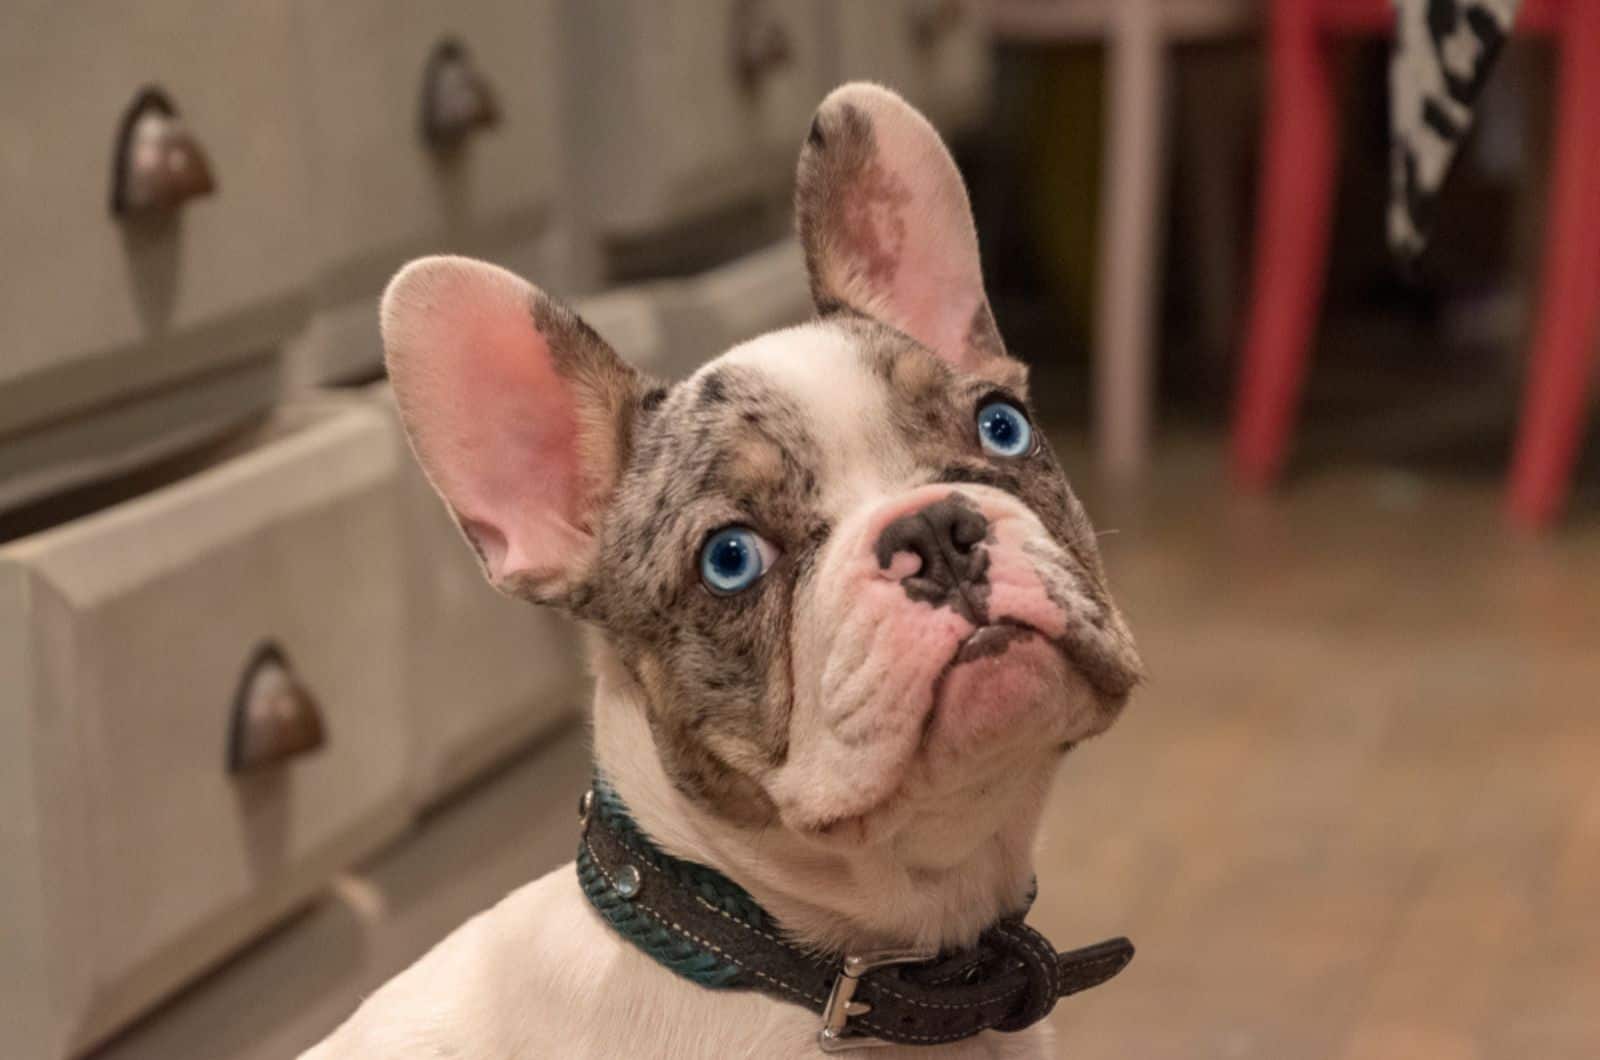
679	929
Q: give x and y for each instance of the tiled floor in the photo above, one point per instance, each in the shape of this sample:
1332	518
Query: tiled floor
1355	813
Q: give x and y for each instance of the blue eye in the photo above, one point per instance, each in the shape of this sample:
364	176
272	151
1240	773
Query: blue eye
1004	430
733	559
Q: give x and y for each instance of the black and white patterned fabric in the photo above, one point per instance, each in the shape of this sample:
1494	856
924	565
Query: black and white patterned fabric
1444	50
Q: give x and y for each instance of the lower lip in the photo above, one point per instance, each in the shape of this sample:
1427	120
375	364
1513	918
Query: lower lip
995	679
988	641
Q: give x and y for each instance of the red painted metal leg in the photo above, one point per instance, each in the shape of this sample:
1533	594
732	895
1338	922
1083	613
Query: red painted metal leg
1296	207
1561	360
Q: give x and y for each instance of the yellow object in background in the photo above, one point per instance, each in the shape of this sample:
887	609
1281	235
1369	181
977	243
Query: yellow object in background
1061	176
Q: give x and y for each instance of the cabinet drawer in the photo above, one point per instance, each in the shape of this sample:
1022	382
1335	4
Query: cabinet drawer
96	308
933	52
681	107
383	192
135	433
270	578
707	315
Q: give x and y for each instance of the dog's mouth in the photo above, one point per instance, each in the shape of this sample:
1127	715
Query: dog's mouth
986	642
993	660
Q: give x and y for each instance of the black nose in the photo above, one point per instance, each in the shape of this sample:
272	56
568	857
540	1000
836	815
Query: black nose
945	536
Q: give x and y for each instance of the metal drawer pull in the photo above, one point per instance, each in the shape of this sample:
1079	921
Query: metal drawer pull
761	43
158	165
932	21
274	717
456	97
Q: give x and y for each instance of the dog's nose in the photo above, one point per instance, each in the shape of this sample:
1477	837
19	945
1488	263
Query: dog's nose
944	536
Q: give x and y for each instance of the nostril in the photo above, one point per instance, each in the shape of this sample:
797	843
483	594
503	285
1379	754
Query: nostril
939	542
968	528
906	536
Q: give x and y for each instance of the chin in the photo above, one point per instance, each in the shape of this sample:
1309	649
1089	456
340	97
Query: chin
996	727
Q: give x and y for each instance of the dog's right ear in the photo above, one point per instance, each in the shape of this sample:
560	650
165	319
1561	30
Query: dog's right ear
887	229
518	412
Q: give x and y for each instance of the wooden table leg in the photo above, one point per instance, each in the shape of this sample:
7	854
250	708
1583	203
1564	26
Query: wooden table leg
1129	231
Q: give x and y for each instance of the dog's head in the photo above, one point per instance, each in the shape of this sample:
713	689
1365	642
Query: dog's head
840	566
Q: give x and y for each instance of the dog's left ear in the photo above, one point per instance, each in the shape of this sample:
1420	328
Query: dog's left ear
518	412
887	229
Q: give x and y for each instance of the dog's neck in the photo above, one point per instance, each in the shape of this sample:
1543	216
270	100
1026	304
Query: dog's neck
833	901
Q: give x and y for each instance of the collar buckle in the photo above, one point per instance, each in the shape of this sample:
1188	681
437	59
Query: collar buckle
837	1012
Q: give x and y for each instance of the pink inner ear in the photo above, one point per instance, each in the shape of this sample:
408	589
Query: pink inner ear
492	422
910	254
938	304
938	286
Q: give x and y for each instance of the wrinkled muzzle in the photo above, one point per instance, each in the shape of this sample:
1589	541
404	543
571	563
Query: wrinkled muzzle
943	632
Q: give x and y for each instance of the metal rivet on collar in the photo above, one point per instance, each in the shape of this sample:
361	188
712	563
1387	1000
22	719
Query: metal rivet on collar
585	805
628	881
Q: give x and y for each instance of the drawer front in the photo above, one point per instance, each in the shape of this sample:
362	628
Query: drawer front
705	316
484	672
96	307
934	52
703	104
152	612
44	874
137	432
382	192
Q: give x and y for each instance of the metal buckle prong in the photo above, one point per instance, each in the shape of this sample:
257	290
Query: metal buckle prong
837	1012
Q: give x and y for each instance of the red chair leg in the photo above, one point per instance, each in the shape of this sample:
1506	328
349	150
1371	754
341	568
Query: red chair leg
1560	362
1296	206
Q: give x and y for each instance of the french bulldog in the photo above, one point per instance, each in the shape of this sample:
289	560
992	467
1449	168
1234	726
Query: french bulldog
846	613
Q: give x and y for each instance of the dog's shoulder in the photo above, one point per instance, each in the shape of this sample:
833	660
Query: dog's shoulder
509	978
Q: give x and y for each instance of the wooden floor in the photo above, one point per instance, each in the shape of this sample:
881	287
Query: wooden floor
1356	810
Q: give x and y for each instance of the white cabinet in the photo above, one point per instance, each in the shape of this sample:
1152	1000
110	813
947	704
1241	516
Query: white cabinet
132	856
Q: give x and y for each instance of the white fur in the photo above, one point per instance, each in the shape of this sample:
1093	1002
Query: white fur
820	370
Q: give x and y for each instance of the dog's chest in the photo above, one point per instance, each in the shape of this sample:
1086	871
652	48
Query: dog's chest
540	974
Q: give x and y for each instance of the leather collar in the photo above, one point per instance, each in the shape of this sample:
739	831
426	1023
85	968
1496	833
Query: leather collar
708	929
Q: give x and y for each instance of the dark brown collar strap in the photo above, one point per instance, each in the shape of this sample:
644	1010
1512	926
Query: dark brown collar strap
709	930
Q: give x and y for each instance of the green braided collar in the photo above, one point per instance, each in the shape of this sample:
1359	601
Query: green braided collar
691	961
